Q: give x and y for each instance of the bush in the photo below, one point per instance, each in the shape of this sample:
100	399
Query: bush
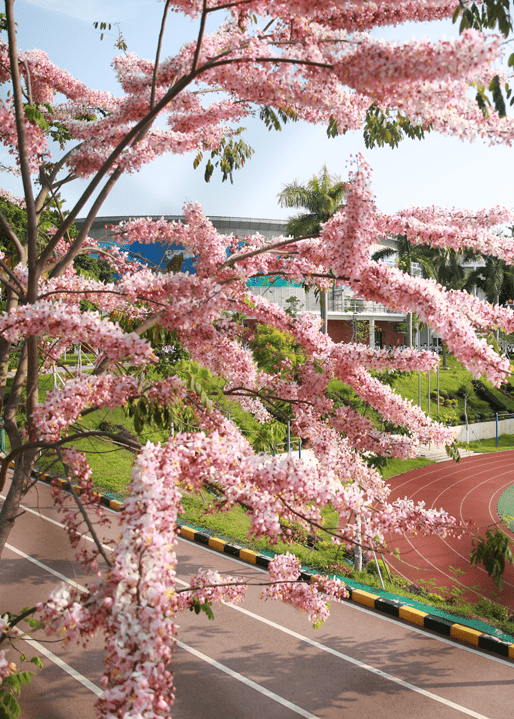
489	609
436	598
373	569
493	552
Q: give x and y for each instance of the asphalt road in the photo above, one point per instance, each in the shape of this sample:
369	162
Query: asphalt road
260	660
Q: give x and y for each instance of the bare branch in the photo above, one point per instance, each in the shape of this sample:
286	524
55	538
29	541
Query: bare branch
20	250
83	512
200	36
158	53
29	84
23	150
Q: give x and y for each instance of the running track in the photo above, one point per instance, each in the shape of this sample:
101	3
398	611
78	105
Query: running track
468	490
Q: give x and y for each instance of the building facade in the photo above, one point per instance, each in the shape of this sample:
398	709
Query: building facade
350	318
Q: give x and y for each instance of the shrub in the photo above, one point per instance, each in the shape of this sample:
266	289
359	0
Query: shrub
488	608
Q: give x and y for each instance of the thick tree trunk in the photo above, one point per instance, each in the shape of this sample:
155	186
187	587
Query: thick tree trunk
19	485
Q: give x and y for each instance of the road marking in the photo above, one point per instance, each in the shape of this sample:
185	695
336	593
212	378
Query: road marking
350	606
46	568
40	649
361	665
92	687
248	682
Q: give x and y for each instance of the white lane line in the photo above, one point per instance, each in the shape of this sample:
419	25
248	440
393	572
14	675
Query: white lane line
39	514
349	605
79	677
356	607
40	649
362	665
46	568
248	682
353	606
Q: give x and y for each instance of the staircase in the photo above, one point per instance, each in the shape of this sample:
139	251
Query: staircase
438	454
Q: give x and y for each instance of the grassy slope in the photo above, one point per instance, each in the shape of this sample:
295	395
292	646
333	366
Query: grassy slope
450	380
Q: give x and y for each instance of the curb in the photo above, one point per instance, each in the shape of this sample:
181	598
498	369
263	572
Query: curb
392	607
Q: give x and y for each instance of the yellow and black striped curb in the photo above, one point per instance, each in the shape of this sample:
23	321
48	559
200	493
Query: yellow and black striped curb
114	504
391	607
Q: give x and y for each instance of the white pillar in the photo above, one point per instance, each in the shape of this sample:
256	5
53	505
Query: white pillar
372	333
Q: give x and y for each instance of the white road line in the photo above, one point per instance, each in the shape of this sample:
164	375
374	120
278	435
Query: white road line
79	677
362	665
248	682
356	607
351	606
40	649
46	568
39	514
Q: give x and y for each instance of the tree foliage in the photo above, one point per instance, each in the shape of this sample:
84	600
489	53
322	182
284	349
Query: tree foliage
321	196
493	552
271	61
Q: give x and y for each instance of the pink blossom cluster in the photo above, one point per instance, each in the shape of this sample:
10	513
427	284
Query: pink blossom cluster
315	60
57	318
62	406
336	71
311	599
209	586
6	667
13	199
452	229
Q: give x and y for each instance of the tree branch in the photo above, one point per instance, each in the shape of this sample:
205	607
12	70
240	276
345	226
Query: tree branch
200	36
158	53
261	250
20	250
83	512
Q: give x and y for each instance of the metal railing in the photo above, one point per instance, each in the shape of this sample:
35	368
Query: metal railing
337	301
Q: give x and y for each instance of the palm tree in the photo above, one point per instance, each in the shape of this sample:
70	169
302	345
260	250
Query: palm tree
444	265
495	278
322	196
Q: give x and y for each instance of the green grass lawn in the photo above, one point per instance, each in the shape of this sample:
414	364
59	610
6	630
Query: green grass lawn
505	441
399	466
450	381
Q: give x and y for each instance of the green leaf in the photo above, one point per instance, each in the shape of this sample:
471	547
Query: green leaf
209	169
37	661
208	611
333	128
456	14
499	102
13	682
34	115
34	623
9	707
25	677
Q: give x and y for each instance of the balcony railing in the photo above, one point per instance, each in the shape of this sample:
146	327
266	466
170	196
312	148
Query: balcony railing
347	304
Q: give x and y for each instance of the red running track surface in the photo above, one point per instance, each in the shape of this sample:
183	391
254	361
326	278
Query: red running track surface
468	490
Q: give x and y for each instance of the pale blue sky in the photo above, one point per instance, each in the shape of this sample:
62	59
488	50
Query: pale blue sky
438	170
